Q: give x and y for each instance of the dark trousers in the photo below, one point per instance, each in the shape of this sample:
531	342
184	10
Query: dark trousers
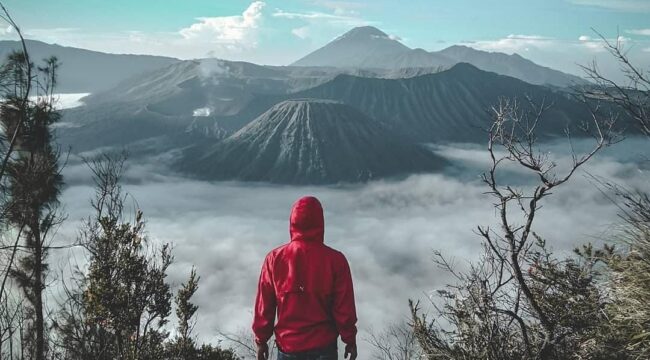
327	353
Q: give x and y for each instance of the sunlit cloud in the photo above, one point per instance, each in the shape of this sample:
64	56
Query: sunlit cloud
239	30
44	34
341	7
620	5
515	43
225	36
334	19
591	44
301	32
317	22
644	32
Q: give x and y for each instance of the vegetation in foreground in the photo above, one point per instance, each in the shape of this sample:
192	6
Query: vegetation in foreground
520	301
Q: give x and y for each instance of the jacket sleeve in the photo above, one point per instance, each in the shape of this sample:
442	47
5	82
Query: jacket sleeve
344	311
265	304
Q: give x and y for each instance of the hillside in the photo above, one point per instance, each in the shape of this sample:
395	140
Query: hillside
309	141
449	106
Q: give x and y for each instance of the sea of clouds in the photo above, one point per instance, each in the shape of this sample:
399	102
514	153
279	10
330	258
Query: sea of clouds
388	230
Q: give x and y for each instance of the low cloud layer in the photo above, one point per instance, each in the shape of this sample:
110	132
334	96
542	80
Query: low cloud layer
387	229
620	5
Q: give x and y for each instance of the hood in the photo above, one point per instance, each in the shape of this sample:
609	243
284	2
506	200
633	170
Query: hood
306	222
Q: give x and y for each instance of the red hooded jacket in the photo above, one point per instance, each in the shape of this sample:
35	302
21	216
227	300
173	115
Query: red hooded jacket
308	285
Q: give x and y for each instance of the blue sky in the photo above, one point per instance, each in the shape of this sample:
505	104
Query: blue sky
555	33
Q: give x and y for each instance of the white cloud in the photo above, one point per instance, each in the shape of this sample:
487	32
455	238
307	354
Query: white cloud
527	43
231	37
587	42
529	37
239	30
341	7
645	32
514	43
6	31
137	36
43	34
315	24
317	16
301	32
620	5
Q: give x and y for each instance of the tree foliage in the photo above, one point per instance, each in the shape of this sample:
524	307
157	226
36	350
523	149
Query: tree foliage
119	307
518	301
31	184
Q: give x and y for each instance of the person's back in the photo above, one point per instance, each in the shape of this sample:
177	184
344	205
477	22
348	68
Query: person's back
309	285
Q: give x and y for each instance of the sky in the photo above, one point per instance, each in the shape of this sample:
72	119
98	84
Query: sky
554	33
388	230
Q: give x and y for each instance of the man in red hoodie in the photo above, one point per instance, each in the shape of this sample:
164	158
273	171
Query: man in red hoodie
309	286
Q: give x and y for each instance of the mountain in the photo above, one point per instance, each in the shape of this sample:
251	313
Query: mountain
309	141
361	47
369	47
204	97
511	65
85	71
448	106
205	85
180	99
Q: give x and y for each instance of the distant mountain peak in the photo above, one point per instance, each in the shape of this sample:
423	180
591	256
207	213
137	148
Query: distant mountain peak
364	32
361	47
463	66
419	51
459	48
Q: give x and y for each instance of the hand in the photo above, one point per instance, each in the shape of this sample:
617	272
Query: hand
351	350
262	351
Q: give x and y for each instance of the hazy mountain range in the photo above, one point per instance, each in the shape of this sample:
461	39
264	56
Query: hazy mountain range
369	47
85	71
361	50
356	109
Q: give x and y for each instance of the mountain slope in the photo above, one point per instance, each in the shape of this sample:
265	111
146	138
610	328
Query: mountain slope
368	47
85	71
309	141
449	106
206	97
214	85
182	98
